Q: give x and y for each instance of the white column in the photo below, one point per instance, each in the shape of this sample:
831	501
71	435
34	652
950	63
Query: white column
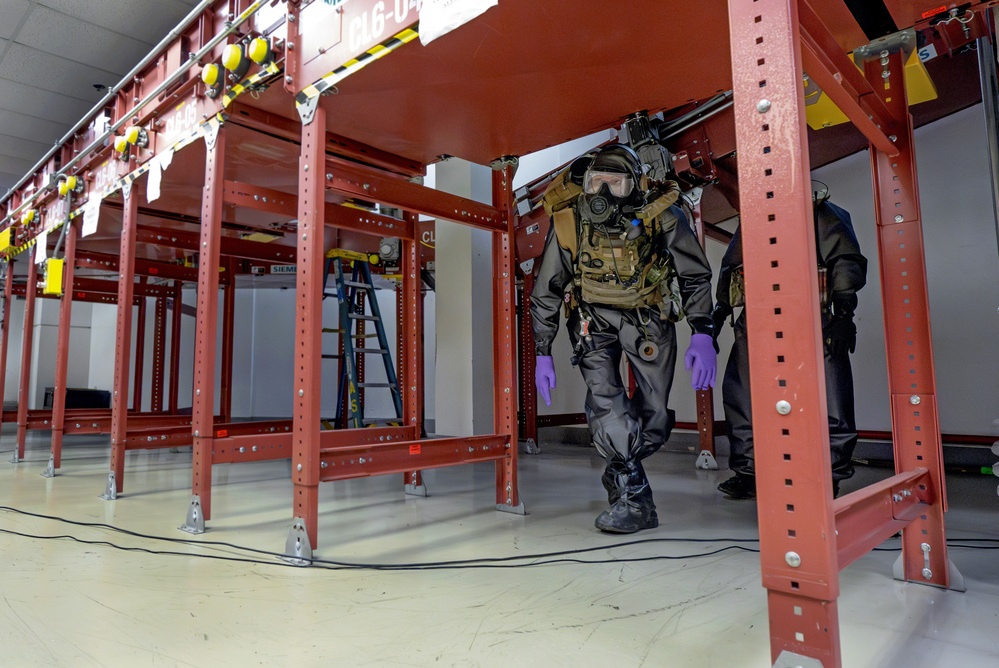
464	374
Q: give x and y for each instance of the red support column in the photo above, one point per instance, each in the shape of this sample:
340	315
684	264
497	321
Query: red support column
528	393
704	398
175	331
797	527
228	331
505	345
62	350
27	340
309	328
159	355
8	288
123	342
409	329
911	379
205	345
140	352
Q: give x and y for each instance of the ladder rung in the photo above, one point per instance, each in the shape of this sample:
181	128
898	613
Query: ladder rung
330	330
376	385
355	284
386	420
371	351
358	316
331	357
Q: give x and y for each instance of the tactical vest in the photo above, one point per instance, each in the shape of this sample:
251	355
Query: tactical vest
737	287
612	271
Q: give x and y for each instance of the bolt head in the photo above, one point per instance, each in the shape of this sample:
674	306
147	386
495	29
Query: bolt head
298	468
783	407
899	218
927	574
763	106
914	400
793	559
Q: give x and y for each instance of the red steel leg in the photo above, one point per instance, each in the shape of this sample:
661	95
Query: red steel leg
228	331
140	352
797	527
912	382
123	341
309	326
175	330
203	411
159	355
27	341
8	288
528	393
62	348
504	346
409	328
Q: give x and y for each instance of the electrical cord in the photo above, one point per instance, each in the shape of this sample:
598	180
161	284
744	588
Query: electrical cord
535	559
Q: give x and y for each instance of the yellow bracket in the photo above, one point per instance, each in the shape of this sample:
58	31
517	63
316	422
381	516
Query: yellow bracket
370	258
821	112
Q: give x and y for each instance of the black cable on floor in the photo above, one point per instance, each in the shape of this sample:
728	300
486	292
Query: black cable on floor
535	559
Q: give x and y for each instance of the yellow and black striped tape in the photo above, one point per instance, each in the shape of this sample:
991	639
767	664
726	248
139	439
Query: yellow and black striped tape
14	251
250	84
353	65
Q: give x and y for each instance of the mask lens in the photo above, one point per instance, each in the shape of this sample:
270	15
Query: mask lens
619	185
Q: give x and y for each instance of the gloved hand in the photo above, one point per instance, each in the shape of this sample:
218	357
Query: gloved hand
719	316
840	336
701	361
544	377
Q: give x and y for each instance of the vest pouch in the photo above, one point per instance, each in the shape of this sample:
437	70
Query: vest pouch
737	288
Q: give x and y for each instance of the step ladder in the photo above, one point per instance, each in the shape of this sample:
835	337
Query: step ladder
355	294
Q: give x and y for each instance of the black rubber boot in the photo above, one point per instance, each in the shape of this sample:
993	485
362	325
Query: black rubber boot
634	509
614	467
739	486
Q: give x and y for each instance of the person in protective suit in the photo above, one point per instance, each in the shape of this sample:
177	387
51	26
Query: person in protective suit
843	271
623	262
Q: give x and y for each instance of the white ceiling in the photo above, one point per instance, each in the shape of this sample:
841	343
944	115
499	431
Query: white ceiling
53	52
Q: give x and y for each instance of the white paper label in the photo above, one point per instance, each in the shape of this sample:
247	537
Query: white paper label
439	17
91	214
42	247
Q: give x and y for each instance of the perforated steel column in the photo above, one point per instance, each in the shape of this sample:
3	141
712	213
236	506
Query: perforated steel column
175	331
8	288
203	411
309	325
504	343
27	341
123	336
62	346
159	355
911	379
797	529
138	367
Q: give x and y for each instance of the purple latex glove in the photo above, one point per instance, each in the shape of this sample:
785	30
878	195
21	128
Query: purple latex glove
544	377
701	361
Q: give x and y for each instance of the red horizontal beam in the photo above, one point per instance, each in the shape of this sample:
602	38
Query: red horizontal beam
868	517
356	461
230	246
368	183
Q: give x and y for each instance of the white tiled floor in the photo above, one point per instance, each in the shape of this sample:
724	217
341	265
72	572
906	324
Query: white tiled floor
81	605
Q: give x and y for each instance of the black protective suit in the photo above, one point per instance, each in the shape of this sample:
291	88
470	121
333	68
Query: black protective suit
624	431
846	272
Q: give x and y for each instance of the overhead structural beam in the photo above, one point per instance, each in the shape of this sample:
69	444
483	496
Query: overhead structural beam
824	61
372	184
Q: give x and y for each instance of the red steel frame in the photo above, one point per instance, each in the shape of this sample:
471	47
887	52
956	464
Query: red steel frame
806	537
27	342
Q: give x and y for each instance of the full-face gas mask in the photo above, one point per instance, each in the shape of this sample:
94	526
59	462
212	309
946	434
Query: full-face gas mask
613	181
